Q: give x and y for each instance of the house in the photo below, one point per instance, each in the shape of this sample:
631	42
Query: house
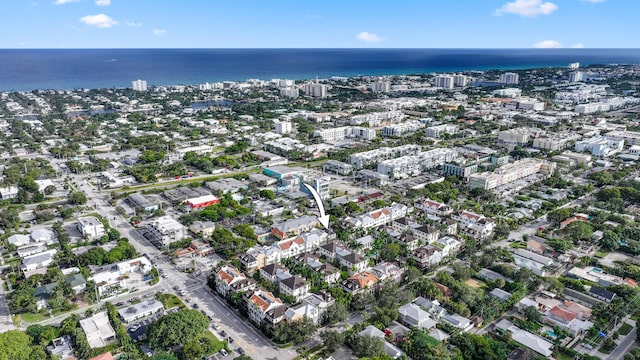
601	293
434	309
567	320
458	321
42	295
500	294
392	351
360	282
409	241
322	301
303	311
44	236
432	207
8	193
19	240
403	224
140	310
38	261
264	307
525	338
98	330
90	227
365	242
449	246
445	290
274	273
249	260
426	234
112	279
474	225
490	275
77	283
354	262
61	348
203	229
413	316
332	249
427	256
536	246
538	264
379	217
294	227
295	286
229	279
105	356
388	270
330	274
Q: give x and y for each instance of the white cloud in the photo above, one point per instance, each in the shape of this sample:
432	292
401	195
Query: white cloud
547	44
159	32
527	8
62	2
103	2
132	24
368	37
577	46
594	1
100	20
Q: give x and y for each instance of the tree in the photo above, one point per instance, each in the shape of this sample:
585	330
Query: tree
295	332
560	244
579	231
391	251
14	345
267	194
332	339
337	313
163	357
610	241
192	350
77	198
176	328
367	346
559	215
532	314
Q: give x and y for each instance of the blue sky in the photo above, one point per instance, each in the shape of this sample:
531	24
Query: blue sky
319	23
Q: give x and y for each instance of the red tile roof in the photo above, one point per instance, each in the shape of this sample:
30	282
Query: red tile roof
563	314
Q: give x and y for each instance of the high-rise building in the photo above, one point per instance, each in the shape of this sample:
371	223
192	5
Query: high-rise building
444	82
283	127
576	76
509	78
381	86
574	66
139	85
291	92
460	80
316	90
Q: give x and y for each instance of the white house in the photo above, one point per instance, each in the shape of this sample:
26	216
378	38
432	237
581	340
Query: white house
90	227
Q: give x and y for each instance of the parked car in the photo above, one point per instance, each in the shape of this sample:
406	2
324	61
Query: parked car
230	339
224	352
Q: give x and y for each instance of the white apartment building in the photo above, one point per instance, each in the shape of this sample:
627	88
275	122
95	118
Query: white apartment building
90	227
345	132
407	127
316	90
460	80
378	119
436	131
360	160
551	143
178	154
574	66
165	230
515	137
338	167
381	86
510	173
139	85
629	137
111	279
290	92
576	76
414	165
591	108
379	217
509	78
444	82
283	127
600	146
508	92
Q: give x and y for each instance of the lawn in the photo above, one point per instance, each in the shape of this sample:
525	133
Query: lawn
170	301
625	329
600	254
562	356
518	245
214	344
476	284
33	318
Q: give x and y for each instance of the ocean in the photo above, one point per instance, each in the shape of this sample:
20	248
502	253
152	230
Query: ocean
62	69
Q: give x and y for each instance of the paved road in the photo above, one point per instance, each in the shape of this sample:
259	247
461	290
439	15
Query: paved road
245	336
624	346
6	322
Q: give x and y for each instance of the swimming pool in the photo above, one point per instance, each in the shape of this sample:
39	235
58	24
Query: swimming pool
552	334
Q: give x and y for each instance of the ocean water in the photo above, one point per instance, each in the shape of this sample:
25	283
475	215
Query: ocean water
25	70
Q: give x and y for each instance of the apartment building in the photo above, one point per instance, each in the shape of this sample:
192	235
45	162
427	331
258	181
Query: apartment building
165	230
600	146
345	132
436	132
363	159
510	173
408	166
405	128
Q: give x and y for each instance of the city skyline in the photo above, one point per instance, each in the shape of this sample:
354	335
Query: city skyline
328	24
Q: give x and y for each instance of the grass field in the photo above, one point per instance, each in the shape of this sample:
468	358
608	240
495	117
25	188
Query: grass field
216	344
170	301
625	329
33	318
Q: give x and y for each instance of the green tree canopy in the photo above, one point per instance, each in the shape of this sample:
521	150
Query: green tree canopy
177	328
